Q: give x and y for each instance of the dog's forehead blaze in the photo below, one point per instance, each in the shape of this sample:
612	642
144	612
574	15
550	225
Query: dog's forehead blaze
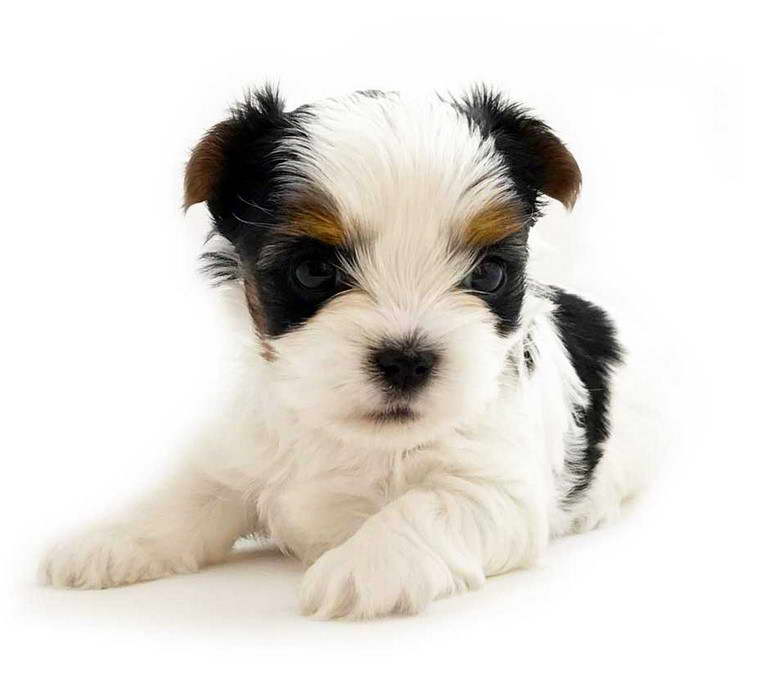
492	224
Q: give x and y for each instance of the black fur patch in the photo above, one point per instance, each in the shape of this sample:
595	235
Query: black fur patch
220	266
590	339
508	301
528	354
537	161
285	305
247	199
496	118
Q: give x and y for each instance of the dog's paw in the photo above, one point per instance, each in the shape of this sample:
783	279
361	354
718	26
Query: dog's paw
365	579
107	557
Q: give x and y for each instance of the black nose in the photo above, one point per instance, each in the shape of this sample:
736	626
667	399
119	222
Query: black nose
404	369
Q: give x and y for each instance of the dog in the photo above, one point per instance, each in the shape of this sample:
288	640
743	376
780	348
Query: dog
412	413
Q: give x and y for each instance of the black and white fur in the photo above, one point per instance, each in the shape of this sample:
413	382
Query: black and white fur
412	414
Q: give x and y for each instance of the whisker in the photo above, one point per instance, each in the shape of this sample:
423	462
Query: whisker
254	205
249	222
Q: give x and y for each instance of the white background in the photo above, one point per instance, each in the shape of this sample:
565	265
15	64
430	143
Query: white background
111	349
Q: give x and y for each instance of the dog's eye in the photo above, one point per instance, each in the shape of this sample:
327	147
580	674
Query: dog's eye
315	275
489	276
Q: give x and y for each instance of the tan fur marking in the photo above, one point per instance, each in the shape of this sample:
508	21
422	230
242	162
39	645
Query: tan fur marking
267	352
492	224
318	219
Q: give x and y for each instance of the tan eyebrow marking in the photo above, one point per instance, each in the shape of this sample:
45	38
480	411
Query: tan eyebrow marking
492	224
318	218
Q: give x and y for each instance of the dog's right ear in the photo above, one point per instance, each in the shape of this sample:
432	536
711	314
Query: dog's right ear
207	163
233	162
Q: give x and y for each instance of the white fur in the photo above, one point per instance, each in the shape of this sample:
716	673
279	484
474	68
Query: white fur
389	517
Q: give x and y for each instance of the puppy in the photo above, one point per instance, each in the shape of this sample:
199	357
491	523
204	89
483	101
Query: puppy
413	413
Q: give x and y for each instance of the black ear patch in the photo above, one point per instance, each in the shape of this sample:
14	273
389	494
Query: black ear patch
235	167
538	161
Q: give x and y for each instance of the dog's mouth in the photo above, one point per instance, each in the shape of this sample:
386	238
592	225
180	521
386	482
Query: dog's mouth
392	415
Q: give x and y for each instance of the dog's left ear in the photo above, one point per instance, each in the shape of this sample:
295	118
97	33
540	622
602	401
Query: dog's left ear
538	161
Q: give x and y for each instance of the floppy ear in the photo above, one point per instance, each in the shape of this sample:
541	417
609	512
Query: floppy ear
538	161
207	164
557	173
232	167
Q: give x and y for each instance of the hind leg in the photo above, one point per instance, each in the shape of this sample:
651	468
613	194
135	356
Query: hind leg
628	459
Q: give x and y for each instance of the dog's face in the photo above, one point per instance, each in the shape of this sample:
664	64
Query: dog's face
382	246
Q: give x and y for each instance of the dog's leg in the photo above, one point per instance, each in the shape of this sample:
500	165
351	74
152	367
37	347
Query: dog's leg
189	522
436	539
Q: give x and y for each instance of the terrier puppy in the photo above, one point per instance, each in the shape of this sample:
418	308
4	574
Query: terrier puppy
413	413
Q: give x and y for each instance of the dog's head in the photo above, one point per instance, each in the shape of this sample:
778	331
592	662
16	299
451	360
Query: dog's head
381	243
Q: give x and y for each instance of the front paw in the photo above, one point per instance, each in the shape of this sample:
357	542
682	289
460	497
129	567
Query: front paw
364	579
107	557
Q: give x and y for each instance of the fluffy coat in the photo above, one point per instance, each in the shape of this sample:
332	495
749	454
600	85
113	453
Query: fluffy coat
344	229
